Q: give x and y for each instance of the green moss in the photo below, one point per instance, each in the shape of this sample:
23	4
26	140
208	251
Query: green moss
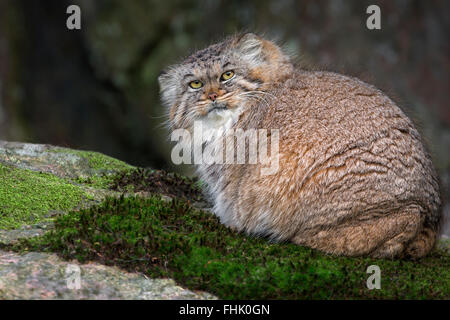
97	160
97	180
26	196
171	239
159	182
103	168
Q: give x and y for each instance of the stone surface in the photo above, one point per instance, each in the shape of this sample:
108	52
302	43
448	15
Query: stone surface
38	275
61	162
8	237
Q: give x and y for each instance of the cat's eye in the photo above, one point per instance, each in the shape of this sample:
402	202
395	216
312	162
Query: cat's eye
195	84
227	75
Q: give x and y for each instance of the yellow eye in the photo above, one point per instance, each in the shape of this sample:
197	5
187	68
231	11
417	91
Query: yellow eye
227	75
195	84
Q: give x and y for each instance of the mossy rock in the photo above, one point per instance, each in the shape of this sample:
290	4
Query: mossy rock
86	167
39	181
172	239
42	182
87	207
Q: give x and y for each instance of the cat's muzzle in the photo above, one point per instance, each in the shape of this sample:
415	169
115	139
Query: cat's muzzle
217	106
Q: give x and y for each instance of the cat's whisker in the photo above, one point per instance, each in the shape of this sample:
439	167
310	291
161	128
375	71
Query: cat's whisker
255	92
260	92
258	99
254	96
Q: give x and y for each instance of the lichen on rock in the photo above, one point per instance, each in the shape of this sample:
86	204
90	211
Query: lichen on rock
40	179
27	197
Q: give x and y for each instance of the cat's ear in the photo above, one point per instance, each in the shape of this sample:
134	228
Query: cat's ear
167	86
163	77
163	80
251	47
265	59
162	73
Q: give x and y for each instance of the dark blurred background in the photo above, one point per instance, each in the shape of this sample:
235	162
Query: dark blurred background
96	88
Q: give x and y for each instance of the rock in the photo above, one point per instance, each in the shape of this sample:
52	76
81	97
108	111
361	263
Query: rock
37	181
61	162
8	237
38	275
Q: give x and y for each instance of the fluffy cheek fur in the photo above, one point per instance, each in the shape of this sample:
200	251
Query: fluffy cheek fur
257	63
195	105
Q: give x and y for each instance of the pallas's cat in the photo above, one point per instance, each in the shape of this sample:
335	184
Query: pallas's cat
353	175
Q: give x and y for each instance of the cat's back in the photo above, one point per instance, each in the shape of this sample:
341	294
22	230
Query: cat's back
328	104
333	127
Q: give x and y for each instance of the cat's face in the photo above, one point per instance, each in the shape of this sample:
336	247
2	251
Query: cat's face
221	78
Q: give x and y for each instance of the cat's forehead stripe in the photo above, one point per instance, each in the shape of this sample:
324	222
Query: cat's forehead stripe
212	53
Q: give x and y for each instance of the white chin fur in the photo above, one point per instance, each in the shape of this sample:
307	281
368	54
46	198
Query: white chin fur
220	119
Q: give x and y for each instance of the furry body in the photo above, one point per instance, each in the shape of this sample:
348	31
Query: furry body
354	176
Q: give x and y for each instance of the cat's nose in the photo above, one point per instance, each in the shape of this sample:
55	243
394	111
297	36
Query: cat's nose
212	96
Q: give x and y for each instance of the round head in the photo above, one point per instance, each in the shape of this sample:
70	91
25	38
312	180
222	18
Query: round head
221	77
